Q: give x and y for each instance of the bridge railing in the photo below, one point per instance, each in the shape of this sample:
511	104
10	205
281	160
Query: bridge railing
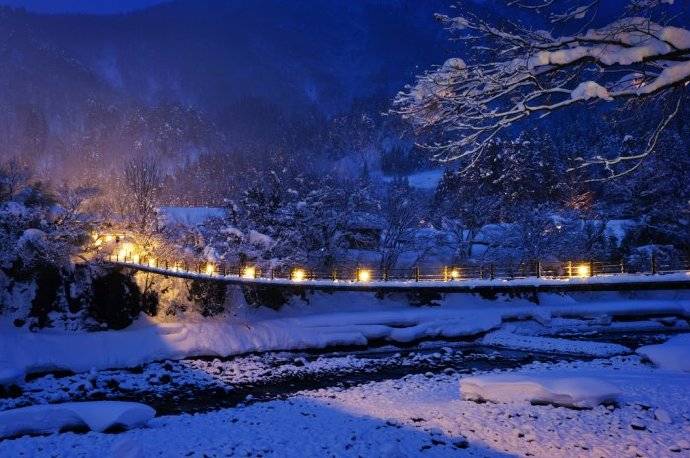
362	273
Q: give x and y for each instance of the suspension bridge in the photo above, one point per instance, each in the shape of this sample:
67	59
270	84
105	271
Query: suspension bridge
533	276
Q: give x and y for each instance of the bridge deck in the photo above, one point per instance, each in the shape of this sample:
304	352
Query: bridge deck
677	280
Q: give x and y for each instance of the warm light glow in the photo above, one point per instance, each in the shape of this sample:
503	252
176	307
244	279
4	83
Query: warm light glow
152	262
454	274
126	250
363	275
109	238
298	275
583	271
249	272
210	269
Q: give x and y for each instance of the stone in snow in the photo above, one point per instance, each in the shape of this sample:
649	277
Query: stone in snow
514	388
50	418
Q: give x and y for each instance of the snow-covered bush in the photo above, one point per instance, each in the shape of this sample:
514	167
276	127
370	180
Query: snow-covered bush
40	233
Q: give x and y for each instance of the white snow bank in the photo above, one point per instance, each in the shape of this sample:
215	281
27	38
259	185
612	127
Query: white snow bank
97	416
548	344
512	388
674	354
344	318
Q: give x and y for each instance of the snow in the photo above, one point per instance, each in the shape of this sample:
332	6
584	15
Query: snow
565	391
97	416
189	216
673	354
416	415
546	344
258	239
588	90
321	320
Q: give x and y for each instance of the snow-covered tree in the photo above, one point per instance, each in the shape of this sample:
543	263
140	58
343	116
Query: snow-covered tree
142	178
514	70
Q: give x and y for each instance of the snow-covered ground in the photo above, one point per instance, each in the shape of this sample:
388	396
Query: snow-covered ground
416	415
352	318
407	403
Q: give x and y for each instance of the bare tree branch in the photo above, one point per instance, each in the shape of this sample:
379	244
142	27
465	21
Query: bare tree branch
521	73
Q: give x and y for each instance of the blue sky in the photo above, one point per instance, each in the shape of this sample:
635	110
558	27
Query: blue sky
81	6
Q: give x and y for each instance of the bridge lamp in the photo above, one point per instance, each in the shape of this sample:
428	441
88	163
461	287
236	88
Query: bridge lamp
454	274
249	272
583	271
363	275
152	262
298	275
210	269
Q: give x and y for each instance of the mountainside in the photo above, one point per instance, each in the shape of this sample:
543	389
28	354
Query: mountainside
73	86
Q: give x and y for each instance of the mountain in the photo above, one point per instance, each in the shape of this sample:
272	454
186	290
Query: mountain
79	92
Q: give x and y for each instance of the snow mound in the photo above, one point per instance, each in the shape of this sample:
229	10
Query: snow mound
514	388
97	416
674	354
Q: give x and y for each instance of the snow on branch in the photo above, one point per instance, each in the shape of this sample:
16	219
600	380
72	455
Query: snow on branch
518	72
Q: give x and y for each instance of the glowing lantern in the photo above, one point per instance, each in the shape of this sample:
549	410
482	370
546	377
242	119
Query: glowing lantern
210	269
152	262
298	275
249	272
363	275
583	271
109	238
454	274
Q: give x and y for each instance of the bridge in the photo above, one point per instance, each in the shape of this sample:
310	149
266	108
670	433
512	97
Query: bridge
532	277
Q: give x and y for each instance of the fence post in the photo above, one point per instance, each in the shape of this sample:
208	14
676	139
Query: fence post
492	271
622	267
654	266
591	268
416	273
538	269
445	273
334	275
385	274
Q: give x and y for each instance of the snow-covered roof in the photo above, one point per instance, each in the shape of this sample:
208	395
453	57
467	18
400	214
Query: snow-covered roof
189	216
364	220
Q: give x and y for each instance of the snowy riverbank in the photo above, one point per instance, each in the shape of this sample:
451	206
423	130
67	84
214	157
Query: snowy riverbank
414	415
325	320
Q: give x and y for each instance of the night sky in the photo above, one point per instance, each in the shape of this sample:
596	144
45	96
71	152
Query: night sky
81	6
